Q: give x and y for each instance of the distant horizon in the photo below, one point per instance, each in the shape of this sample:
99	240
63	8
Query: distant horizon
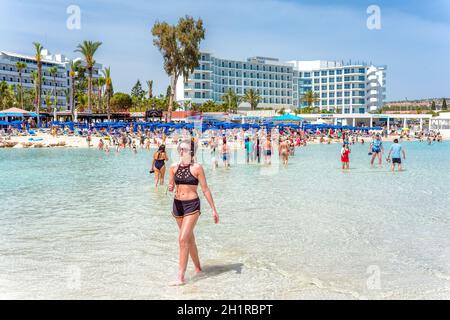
412	40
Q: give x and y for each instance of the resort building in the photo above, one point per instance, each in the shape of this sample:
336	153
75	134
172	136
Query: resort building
10	74
269	77
342	88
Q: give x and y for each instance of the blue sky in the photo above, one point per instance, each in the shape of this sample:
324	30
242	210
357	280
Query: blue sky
413	41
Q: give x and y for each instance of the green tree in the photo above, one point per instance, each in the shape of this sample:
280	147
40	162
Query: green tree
121	101
433	105
138	94
53	73
252	97
282	111
310	97
38	57
231	100
108	90
88	49
73	68
150	88
444	105
6	95
20	66
180	47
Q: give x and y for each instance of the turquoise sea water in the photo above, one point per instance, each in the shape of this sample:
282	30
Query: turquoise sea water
78	223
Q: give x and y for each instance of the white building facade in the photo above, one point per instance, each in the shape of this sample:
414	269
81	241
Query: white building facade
270	78
61	82
342	88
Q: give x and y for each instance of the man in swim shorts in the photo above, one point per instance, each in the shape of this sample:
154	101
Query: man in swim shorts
396	151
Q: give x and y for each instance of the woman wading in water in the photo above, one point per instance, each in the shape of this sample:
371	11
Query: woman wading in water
186	176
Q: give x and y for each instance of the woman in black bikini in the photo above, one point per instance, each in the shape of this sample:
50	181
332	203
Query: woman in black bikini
186	176
158	165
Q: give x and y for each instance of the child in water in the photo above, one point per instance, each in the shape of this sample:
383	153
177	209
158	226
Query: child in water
345	151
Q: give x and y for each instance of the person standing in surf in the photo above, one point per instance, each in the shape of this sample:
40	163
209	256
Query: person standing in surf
345	151
376	149
158	165
184	178
396	151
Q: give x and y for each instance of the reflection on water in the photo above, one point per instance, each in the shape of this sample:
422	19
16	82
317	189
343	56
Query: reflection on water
83	224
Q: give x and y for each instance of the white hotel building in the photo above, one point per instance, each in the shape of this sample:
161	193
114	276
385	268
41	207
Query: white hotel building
10	74
343	88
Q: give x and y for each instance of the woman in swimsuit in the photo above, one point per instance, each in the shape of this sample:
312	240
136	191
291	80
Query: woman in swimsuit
158	165
186	176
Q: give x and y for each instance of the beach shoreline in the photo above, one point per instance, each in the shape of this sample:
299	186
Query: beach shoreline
46	140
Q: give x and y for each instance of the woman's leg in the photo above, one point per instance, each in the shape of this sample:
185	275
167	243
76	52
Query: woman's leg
186	239
162	174
157	174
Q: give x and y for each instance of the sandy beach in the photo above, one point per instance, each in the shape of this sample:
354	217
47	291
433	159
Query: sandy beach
46	140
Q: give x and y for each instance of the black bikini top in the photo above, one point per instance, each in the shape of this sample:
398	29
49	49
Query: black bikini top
183	175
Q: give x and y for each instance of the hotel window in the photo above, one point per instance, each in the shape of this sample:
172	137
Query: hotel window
316	88
245	83
339	101
331	95
338	79
324	94
331	87
362	70
323	73
324	102
346	101
347	78
347	94
331	80
331	72
316	73
347	86
339	94
277	100
347	71
361	78
324	80
245	66
307	74
251	83
331	102
324	88
316	80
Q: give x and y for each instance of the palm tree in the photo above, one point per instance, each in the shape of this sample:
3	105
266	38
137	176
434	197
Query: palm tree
38	56
150	88
67	96
20	66
310	98
231	100
100	83
72	73
253	98
53	73
88	49
108	90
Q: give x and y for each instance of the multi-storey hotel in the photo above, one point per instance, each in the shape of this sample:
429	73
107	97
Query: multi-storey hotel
10	74
343	88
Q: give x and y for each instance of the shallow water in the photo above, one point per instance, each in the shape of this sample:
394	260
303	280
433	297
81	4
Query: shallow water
82	224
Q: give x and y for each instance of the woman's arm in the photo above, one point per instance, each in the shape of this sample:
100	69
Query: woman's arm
171	185
207	193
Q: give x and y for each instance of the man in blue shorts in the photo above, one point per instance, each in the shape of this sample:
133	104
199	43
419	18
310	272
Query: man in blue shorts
396	151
